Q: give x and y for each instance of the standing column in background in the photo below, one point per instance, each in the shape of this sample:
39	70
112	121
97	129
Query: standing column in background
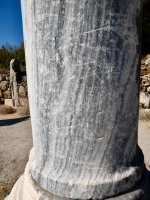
15	71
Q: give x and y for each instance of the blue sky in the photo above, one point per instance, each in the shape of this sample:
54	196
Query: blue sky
10	22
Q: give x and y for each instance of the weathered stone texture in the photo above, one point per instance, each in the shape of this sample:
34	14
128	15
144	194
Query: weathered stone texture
2	77
3	85
22	92
8	102
26	188
83	73
24	79
1	94
23	102
5	89
7	94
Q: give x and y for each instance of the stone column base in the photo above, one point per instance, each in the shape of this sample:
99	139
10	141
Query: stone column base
26	188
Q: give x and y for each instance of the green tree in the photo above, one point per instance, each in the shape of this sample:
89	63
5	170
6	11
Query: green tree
19	54
8	52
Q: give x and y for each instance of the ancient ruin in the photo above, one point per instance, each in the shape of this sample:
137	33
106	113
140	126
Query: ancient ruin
15	73
83	63
13	87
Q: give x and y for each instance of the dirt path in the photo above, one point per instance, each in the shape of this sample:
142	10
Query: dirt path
144	140
16	142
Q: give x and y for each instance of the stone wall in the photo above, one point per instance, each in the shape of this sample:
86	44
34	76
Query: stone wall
145	83
5	90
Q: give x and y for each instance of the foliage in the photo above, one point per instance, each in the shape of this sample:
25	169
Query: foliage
8	52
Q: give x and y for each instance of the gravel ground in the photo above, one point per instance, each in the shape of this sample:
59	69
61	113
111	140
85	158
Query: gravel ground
16	142
144	140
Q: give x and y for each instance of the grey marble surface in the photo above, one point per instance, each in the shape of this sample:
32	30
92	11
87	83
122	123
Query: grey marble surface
26	188
83	74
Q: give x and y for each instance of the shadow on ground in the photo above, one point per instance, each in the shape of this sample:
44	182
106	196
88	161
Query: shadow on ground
9	122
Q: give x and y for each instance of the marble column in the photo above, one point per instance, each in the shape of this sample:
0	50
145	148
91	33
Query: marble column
83	67
15	73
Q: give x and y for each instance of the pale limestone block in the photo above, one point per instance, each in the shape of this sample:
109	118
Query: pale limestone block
8	102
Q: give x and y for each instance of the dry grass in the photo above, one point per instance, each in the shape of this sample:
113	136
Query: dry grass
4	109
5	188
144	114
23	111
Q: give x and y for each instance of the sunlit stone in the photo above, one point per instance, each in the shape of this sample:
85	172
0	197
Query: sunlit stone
83	76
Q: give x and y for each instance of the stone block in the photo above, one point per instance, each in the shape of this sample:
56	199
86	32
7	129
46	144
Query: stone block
7	78
2	99
145	78
22	92
23	102
2	77
9	102
148	90
24	79
147	62
147	84
7	94
145	100
24	84
1	94
3	85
